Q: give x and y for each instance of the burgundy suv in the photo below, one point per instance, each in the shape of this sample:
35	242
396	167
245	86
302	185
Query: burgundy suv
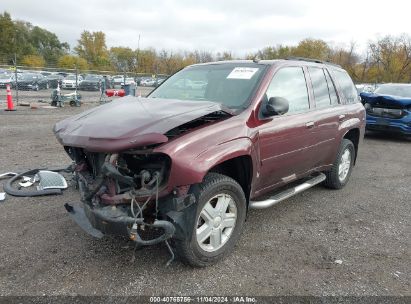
184	165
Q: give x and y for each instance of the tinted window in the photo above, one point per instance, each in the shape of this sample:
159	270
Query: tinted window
290	84
331	89
320	87
347	86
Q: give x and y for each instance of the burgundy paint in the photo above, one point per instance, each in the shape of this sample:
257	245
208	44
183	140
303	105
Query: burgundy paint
279	146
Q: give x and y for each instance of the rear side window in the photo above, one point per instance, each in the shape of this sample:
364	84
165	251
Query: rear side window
331	89
290	84
320	87
347	86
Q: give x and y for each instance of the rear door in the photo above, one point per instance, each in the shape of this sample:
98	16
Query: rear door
285	140
329	115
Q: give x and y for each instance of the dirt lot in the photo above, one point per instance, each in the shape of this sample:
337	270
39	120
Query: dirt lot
289	249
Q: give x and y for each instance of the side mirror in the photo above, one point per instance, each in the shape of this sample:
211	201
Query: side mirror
276	106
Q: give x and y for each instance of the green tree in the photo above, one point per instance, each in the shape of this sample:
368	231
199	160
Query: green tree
312	48
71	62
123	59
47	44
391	57
33	61
92	47
147	61
22	39
7	36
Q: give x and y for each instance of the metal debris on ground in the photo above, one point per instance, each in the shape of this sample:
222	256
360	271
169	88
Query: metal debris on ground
51	180
2	196
7	175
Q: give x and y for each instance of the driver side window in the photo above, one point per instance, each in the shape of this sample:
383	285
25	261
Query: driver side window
289	83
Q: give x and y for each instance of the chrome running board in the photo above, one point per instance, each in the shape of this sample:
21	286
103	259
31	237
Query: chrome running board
287	193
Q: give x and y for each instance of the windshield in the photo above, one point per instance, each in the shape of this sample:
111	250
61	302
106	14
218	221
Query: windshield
71	77
92	77
5	76
394	90
29	77
230	84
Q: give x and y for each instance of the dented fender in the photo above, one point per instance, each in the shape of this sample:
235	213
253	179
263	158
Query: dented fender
193	172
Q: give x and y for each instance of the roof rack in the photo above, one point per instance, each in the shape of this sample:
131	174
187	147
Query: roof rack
312	60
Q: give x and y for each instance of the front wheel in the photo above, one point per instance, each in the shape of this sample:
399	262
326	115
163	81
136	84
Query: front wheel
340	172
220	216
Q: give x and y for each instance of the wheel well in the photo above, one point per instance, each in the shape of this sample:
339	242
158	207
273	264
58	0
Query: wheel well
354	136
238	168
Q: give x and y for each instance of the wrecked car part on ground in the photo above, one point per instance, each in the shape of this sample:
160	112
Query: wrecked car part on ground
50	182
187	162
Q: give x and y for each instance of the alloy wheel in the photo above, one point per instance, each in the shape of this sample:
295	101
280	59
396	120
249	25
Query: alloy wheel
216	222
344	165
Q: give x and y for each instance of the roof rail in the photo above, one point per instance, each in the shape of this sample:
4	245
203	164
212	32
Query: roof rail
312	60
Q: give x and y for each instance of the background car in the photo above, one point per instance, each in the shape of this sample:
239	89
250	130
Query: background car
159	81
70	81
91	83
148	82
54	79
129	80
388	108
7	79
32	81
365	87
118	81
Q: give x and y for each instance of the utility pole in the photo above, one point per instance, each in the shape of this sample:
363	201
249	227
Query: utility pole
76	77
15	75
138	53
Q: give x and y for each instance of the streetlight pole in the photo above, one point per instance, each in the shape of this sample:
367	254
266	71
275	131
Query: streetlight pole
15	75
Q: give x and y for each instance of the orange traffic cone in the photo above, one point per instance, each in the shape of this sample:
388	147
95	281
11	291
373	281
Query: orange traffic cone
10	106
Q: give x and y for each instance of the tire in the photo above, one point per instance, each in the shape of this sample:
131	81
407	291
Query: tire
213	188
336	178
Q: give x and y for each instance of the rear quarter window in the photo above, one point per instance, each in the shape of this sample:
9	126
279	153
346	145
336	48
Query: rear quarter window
347	86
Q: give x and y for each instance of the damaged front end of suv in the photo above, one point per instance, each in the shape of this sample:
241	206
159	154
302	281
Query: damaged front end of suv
123	176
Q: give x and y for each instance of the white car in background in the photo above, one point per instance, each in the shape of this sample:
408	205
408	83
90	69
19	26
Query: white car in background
7	79
148	82
118	81
130	80
69	82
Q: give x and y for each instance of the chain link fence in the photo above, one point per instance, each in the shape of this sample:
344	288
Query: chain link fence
41	89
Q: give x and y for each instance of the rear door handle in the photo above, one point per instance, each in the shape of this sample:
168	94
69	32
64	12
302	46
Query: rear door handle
309	124
341	117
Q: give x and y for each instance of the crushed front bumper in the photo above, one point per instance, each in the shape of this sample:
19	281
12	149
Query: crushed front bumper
395	125
115	221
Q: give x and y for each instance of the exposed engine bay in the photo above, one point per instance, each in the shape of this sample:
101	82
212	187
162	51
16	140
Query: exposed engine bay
113	179
120	193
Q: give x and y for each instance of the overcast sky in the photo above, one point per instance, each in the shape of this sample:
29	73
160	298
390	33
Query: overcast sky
216	25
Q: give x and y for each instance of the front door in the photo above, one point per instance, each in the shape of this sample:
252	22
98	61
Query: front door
286	149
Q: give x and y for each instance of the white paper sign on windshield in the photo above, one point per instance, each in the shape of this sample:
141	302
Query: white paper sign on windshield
242	73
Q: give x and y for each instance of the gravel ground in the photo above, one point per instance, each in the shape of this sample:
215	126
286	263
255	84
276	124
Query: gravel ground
289	249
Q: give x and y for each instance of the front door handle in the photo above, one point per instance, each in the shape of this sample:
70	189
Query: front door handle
341	117
309	124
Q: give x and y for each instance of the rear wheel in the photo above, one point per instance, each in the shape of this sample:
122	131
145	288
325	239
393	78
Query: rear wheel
220	216
340	172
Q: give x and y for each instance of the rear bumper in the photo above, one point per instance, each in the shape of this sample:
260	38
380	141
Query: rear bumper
401	125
